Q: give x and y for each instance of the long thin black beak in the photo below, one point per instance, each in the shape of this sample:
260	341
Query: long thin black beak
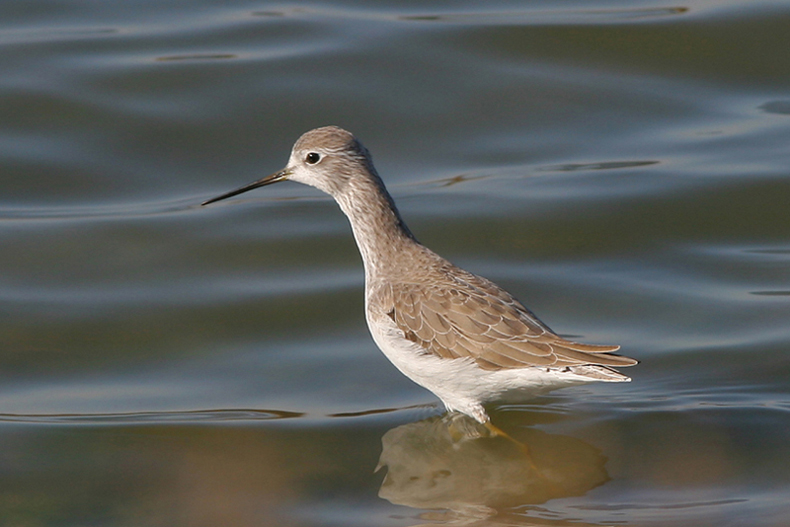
282	175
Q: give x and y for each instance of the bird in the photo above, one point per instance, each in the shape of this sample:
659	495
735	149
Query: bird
453	332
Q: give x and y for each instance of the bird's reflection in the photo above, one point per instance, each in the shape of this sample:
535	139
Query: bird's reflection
455	464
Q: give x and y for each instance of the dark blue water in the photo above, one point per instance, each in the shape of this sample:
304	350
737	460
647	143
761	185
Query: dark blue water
621	167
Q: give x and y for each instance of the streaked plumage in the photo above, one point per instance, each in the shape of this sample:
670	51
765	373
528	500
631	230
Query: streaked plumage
455	333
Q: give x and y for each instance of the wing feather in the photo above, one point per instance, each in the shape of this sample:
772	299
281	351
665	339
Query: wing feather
464	315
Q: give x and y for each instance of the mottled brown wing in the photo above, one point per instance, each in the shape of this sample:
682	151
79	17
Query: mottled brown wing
468	316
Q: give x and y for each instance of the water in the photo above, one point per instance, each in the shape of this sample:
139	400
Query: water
622	167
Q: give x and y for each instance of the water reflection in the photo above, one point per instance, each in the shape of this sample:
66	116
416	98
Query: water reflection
454	463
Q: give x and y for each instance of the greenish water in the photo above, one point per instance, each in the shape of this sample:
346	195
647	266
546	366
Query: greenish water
621	167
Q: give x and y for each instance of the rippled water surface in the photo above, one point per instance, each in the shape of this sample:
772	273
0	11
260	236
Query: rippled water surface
621	167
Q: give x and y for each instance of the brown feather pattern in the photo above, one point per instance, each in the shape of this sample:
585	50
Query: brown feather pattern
456	314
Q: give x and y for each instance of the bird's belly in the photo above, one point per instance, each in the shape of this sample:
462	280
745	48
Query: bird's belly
458	382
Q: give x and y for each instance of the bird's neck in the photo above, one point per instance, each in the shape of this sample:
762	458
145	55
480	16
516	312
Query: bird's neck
380	233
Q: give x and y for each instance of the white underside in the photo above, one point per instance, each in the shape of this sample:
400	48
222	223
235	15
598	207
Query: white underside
462	385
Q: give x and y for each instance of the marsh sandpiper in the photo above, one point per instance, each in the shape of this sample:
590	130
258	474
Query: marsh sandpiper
457	334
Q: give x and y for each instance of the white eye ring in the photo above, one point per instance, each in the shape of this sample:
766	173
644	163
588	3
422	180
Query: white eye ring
312	158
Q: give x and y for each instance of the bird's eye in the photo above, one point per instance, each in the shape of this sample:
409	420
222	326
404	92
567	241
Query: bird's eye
312	158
